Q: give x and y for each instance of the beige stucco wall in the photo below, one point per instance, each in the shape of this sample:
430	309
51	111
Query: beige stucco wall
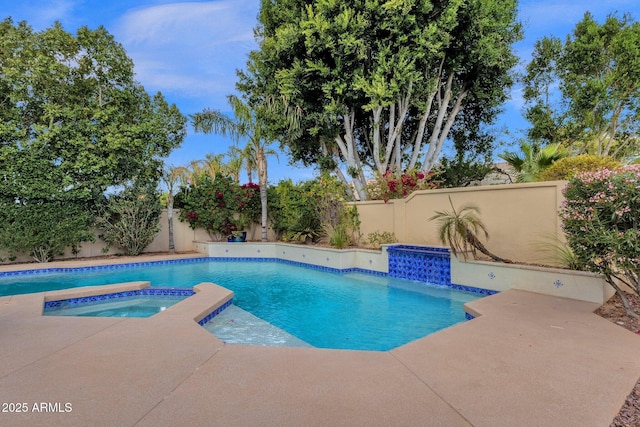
183	237
518	217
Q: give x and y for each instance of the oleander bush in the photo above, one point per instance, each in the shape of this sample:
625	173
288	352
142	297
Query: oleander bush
601	220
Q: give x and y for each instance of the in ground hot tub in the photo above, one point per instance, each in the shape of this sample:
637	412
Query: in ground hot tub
134	303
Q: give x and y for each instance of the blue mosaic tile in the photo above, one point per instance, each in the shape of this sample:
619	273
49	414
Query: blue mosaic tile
103	267
468	316
214	313
472	289
420	263
115	295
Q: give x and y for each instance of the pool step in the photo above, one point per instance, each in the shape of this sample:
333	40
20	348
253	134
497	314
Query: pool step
237	326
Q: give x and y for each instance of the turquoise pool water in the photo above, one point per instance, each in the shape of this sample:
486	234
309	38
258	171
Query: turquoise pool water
323	309
134	306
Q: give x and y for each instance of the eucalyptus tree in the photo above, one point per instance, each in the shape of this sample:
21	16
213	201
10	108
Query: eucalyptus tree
73	123
381	84
585	92
249	123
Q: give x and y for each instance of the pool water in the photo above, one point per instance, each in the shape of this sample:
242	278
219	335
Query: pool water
322	309
134	306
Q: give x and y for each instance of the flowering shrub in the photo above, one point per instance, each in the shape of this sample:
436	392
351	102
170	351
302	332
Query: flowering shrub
214	205
569	167
249	202
601	219
390	185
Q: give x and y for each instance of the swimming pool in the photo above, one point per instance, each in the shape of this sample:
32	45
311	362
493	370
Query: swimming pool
133	303
324	309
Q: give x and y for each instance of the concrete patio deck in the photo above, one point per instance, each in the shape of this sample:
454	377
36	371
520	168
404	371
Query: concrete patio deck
527	360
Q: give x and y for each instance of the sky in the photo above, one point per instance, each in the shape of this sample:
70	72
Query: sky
190	51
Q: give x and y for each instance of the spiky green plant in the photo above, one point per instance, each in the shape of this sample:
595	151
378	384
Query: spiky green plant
555	251
533	160
459	228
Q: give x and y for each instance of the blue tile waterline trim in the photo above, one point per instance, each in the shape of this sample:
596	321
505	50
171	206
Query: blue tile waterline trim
468	316
102	267
481	291
181	292
186	261
214	313
442	276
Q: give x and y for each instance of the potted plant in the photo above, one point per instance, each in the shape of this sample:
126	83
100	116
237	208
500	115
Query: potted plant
240	222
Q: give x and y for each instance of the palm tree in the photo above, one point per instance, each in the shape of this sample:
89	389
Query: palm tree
246	156
249	124
171	176
534	160
459	229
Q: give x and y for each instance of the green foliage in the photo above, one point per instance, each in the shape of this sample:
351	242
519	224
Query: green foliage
249	204
533	160
585	92
568	167
73	123
287	202
601	219
364	76
346	231
553	251
130	219
307	229
338	236
251	121
379	238
44	229
305	211
460	171
389	185
458	229
212	205
294	211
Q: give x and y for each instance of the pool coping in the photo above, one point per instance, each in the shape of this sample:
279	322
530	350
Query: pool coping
527	359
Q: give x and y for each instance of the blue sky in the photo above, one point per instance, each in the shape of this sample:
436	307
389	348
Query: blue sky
189	50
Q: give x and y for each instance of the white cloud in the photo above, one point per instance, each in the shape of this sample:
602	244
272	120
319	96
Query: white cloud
191	49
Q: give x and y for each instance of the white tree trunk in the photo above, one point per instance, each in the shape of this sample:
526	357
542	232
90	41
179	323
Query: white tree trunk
262	180
349	152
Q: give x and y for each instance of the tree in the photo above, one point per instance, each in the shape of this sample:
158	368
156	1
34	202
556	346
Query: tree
73	123
597	107
219	205
130	219
534	160
378	83
601	219
171	176
459	230
249	123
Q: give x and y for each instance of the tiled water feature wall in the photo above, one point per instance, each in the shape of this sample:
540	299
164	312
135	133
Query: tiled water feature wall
424	264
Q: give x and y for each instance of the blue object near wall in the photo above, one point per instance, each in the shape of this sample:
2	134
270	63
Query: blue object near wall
420	263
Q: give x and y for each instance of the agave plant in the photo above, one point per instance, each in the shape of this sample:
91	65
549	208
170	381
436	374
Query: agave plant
459	230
